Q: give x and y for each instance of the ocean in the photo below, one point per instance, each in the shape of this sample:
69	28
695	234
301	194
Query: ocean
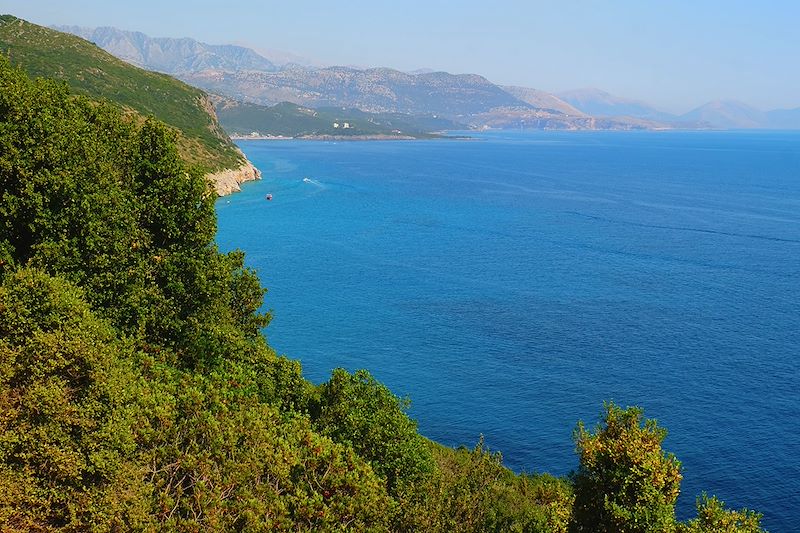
510	284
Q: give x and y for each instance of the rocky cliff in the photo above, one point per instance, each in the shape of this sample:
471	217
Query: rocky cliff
229	180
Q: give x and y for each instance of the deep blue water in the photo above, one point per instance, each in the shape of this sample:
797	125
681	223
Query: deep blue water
511	284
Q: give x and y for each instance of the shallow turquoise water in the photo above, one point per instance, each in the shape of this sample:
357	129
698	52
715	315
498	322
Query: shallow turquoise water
511	284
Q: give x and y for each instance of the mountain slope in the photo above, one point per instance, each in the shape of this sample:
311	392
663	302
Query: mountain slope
168	55
728	114
602	104
93	72
543	100
372	90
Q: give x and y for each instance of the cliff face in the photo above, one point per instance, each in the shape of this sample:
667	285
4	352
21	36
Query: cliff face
229	180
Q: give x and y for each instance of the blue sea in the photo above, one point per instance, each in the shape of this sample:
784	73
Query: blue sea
510	284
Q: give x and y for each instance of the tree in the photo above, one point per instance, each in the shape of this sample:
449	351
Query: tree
625	483
104	201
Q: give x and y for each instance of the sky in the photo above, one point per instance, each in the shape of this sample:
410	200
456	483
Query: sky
676	54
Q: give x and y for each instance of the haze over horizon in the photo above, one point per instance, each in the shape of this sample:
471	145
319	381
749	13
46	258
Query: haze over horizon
675	57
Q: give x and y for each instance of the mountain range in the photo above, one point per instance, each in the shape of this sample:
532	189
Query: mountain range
730	114
241	73
602	104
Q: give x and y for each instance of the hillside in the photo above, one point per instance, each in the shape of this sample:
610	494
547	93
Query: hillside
543	100
291	120
91	71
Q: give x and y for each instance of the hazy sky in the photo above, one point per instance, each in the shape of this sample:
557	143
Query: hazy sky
675	54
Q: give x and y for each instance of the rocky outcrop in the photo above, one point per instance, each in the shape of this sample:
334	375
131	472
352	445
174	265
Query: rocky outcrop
229	180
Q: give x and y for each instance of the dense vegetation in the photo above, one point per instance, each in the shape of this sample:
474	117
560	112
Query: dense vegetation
138	394
291	120
91	71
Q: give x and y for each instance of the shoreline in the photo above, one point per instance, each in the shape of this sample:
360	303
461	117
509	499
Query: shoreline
371	137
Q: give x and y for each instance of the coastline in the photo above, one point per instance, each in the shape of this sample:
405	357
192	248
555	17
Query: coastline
367	137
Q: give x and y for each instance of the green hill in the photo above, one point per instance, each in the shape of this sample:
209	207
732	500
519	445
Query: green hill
292	120
91	71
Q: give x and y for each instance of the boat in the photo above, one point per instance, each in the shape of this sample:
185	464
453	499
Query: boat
268	196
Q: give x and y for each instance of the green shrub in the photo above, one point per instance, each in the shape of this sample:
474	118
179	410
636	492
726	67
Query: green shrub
473	492
713	517
67	411
221	460
625	483
357	410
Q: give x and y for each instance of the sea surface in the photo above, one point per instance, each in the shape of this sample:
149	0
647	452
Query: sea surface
510	284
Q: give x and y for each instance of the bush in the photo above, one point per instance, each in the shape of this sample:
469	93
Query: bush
472	491
357	410
713	517
625	483
221	460
67	411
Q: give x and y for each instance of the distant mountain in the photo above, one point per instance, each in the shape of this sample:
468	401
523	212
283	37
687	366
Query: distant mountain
97	74
282	59
784	119
171	56
291	120
421	71
602	104
544	119
376	90
543	100
728	114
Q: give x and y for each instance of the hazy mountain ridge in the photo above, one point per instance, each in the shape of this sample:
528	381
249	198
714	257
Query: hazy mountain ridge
170	55
241	73
784	118
728	114
731	114
718	114
598	103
